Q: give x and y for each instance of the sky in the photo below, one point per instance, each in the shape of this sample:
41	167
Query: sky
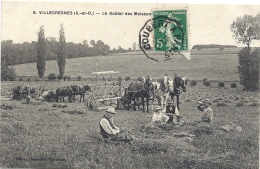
209	24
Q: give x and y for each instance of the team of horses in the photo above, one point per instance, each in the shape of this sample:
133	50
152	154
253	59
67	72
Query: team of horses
143	90
70	92
160	90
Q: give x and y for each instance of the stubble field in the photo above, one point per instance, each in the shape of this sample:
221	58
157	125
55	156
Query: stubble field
42	136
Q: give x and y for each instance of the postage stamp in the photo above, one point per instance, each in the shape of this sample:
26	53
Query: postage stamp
172	33
165	34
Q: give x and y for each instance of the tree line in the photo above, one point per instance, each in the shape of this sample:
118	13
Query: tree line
49	49
212	46
26	52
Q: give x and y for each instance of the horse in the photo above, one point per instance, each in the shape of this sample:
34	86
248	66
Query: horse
140	89
67	91
162	89
83	90
179	87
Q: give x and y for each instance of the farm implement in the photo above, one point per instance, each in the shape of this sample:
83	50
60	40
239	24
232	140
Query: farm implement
105	94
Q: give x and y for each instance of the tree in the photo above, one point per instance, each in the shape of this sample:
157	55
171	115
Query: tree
62	52
246	29
134	46
41	52
7	72
51	48
249	68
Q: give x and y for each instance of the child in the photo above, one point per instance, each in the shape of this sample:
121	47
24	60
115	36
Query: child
159	117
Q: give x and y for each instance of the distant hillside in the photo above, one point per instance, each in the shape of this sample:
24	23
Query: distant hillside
134	64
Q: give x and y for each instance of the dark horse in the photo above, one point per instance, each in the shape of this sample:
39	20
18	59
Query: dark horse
179	87
67	91
140	89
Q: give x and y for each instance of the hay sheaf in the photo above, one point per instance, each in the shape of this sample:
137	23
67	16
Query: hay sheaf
60	105
160	139
163	144
7	106
74	111
32	102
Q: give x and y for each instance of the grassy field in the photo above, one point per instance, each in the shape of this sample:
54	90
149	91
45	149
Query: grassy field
135	64
38	135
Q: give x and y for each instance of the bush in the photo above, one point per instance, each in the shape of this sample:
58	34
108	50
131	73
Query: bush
52	76
233	85
221	84
20	79
193	83
59	77
207	83
79	78
248	68
69	78
120	79
127	78
204	81
8	73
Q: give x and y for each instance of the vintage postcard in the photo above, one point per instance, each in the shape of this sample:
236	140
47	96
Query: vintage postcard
129	85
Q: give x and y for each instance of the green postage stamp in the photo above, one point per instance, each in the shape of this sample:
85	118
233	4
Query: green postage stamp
172	31
165	34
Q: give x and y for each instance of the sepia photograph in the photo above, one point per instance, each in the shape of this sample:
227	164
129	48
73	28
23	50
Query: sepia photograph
108	85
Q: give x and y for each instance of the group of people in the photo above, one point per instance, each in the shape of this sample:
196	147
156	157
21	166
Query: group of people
110	131
166	115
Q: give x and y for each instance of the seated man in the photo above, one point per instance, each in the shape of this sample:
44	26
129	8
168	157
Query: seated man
110	131
172	110
203	106
159	117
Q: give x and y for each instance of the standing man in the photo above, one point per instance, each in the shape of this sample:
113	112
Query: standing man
110	131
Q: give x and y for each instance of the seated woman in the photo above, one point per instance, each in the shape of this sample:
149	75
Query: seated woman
159	117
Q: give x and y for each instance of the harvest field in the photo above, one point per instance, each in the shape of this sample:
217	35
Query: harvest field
135	64
41	135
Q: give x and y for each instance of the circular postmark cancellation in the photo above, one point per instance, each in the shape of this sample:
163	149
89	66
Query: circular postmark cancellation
164	35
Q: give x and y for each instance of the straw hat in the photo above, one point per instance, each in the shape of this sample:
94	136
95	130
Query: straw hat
111	110
199	103
207	101
157	108
170	102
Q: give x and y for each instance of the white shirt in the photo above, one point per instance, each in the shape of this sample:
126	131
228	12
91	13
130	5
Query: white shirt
208	113
158	117
108	128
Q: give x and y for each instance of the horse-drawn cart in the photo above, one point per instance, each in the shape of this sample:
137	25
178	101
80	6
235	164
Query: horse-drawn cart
106	93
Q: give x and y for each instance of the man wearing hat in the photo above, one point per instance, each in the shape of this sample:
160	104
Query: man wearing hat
203	106
170	110
159	117
110	131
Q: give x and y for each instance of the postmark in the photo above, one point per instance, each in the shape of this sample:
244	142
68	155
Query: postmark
165	34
